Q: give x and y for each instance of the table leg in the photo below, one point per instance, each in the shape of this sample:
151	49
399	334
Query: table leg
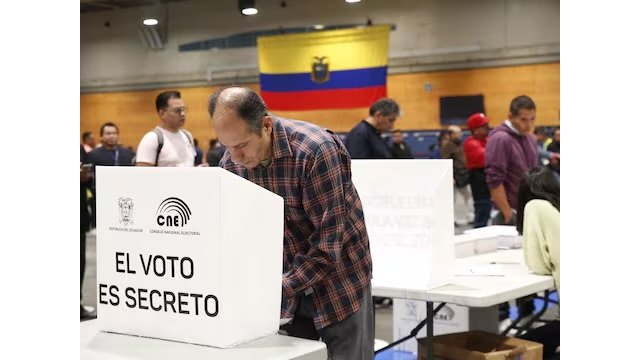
429	320
430	314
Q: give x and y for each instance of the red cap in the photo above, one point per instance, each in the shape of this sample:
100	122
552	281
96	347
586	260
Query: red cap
477	120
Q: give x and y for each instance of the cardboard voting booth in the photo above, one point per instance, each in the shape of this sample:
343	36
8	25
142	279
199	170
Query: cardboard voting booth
187	254
408	210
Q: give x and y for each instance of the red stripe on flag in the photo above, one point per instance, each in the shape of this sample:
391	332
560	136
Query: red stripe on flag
323	99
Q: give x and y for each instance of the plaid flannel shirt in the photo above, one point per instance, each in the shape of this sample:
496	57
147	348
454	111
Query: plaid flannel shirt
326	246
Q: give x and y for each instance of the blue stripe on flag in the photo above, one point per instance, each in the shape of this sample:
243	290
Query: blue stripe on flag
342	79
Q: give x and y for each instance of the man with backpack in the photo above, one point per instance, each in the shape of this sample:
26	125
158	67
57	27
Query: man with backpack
169	144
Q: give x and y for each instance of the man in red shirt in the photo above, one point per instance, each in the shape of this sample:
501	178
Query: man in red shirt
474	151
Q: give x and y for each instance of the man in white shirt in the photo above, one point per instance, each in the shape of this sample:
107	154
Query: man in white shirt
177	148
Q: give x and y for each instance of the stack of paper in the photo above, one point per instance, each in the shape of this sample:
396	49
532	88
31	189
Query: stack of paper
505	236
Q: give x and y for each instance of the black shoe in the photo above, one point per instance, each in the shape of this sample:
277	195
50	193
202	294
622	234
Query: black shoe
87	313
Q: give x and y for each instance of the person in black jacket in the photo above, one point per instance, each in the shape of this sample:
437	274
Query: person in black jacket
399	148
111	153
364	141
85	179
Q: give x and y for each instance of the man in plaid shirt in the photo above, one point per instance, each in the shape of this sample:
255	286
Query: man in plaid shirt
326	284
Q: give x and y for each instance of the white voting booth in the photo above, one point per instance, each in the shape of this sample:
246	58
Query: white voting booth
188	254
408	210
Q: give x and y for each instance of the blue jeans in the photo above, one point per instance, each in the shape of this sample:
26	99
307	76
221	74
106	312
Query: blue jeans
482	210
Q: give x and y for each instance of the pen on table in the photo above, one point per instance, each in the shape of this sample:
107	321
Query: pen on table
504	263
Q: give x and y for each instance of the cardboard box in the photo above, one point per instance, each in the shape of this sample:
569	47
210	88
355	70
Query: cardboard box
480	345
188	254
407	314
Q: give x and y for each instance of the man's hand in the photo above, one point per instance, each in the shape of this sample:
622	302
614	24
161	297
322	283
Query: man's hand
499	197
508	218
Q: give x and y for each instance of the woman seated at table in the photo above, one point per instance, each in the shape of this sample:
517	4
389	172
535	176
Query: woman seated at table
539	202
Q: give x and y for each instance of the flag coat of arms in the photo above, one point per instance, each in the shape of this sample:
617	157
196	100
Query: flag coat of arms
334	69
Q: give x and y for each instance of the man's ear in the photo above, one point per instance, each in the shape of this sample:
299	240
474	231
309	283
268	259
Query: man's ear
267	123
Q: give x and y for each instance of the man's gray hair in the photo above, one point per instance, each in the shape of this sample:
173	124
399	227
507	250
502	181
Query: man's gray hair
386	106
247	104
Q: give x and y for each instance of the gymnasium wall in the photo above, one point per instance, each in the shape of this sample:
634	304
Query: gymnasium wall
134	111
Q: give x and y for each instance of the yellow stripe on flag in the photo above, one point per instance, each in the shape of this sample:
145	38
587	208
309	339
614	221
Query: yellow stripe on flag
344	49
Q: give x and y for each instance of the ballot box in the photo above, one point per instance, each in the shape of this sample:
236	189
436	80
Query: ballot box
187	254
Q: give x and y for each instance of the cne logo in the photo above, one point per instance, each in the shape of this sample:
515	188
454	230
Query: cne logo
446	314
126	210
173	212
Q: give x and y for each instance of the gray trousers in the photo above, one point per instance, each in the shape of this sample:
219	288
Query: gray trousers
350	339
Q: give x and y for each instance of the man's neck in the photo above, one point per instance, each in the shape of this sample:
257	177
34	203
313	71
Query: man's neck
163	126
108	147
269	155
513	128
372	122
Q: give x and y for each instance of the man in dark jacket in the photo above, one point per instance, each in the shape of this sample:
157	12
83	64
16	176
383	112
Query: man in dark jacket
85	179
399	148
110	153
452	149
364	141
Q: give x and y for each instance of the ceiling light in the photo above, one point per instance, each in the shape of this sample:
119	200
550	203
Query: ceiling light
318	27
352	1
249	11
247	7
150	22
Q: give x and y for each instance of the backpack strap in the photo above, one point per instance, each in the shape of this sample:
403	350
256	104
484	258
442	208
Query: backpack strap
160	143
188	134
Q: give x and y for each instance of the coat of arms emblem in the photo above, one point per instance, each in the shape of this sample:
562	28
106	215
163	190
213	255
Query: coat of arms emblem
320	70
126	210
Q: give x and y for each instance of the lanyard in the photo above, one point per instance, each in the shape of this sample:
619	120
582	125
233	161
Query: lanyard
116	155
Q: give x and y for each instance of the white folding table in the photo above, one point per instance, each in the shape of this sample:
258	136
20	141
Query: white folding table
511	280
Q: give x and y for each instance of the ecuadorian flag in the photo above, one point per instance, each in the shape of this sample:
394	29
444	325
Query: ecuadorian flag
335	69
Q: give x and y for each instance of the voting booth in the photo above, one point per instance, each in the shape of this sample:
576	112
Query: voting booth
187	254
408	210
